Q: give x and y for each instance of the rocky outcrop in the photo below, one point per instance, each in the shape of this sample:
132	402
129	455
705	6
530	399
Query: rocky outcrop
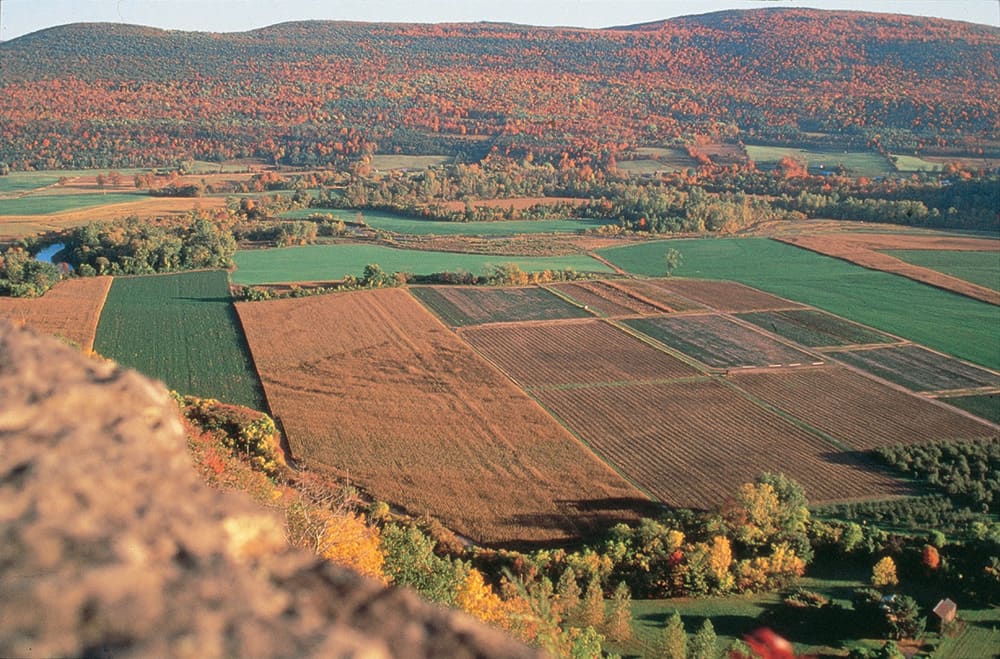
111	545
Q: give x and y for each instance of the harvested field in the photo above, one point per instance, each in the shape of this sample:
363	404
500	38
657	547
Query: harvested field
693	444
724	295
473	305
718	341
864	250
608	299
919	369
656	295
588	351
371	385
858	411
815	329
69	310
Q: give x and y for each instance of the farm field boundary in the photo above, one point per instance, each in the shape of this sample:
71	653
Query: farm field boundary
181	329
982	268
950	323
70	310
357	378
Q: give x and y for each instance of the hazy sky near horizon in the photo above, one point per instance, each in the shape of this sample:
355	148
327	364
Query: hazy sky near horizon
18	17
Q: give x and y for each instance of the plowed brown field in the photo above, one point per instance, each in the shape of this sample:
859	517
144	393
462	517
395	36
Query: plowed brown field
859	412
693	444
70	309
725	295
588	351
862	249
372	385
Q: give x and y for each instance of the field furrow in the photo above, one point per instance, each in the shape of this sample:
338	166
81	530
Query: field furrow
70	310
693	444
918	369
474	305
587	351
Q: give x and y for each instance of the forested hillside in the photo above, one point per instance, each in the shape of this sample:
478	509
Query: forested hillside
314	93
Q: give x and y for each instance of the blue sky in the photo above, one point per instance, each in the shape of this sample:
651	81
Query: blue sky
19	17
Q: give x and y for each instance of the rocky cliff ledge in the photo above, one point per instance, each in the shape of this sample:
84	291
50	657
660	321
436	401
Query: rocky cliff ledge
110	545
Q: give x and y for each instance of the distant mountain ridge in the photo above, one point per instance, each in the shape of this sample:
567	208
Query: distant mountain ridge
277	92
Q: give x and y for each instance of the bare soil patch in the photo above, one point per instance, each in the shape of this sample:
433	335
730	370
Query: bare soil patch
373	386
611	299
863	249
692	444
69	310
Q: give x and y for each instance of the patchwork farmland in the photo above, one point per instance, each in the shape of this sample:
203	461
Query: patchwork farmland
371	385
815	329
474	305
724	295
692	444
608	299
590	351
719	342
919	369
856	410
70	310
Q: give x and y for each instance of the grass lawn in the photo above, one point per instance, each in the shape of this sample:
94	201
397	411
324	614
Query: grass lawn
915	164
58	203
945	321
859	163
181	329
418	227
333	262
981	268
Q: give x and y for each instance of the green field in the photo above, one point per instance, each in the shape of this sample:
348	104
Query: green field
915	164
986	406
859	163
333	262
814	329
183	330
981	268
947	322
459	306
58	203
418	227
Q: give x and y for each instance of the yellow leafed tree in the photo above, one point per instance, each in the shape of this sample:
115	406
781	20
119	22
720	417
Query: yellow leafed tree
478	599
348	540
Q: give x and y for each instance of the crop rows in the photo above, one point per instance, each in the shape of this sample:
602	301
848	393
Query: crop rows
609	300
815	329
370	384
724	295
572	353
181	329
718	341
693	444
919	369
463	305
858	411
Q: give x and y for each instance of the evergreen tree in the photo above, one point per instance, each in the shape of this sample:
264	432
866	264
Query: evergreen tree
672	642
592	607
619	623
704	642
568	591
